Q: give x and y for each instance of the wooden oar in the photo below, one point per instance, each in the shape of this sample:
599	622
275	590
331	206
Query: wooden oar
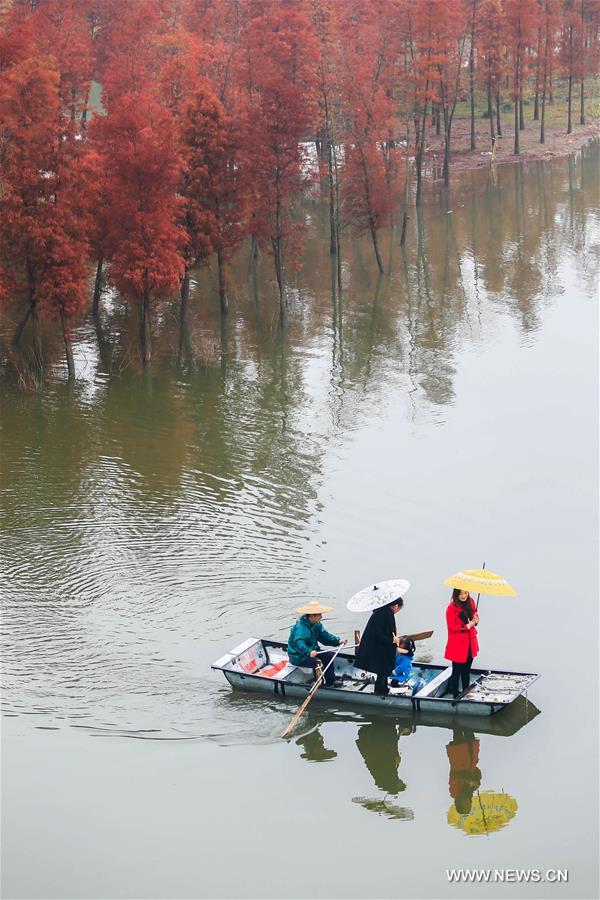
420	636
310	694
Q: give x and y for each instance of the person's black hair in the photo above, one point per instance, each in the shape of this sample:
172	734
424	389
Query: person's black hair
407	644
467	609
398	601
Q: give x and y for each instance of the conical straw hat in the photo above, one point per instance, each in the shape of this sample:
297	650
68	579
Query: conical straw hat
313	608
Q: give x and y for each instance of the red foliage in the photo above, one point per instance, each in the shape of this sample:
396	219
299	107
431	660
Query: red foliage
278	74
211	178
47	192
136	141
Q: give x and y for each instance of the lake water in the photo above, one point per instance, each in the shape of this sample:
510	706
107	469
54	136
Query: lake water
436	418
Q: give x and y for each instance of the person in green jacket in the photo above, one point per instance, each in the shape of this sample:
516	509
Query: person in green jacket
305	635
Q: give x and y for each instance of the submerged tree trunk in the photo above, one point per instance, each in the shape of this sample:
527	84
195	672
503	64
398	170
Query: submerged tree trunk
254	253
97	287
420	152
68	344
21	327
184	296
406	198
373	231
278	259
145	331
332	239
223	301
38	355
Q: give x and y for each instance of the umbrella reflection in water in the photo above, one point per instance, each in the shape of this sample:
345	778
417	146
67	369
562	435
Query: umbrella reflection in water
473	811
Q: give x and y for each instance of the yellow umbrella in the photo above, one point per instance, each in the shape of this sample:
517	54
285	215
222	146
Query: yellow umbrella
481	580
490	811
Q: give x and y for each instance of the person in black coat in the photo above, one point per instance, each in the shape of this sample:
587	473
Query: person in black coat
379	644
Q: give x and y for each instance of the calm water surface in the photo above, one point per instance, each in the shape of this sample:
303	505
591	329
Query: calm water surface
435	418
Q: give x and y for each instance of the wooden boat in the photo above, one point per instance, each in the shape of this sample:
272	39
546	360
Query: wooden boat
262	665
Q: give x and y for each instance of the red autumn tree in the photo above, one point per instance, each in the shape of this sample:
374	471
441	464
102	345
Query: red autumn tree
450	35
323	13
418	20
520	17
62	29
548	23
371	165
570	58
277	72
212	186
47	192
137	143
492	55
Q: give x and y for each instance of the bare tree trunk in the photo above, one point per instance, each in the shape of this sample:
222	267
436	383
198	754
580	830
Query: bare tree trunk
183	298
224	302
84	114
183	306
420	152
145	331
498	120
97	287
490	110
582	63
406	197
277	256
570	94
20	327
536	103
254	253
38	355
68	344
373	231
544	77
332	229
516	148
521	116
472	73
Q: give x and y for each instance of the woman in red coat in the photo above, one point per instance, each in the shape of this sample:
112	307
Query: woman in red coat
462	646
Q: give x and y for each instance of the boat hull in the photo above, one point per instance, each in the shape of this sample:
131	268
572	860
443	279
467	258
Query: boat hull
262	666
253	684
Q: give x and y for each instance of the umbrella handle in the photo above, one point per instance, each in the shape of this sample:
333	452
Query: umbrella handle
479	595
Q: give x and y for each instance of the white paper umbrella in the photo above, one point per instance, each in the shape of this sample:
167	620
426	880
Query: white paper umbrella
377	595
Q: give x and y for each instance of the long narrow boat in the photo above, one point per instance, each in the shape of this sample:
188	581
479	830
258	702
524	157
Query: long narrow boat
262	665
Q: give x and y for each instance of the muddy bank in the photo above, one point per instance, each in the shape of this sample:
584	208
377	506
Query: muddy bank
558	143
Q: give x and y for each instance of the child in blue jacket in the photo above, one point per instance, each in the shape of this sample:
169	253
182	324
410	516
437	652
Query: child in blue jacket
404	659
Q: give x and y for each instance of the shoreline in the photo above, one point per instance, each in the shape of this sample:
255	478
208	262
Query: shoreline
558	144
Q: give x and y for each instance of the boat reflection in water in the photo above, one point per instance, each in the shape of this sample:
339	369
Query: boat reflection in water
473	810
378	743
